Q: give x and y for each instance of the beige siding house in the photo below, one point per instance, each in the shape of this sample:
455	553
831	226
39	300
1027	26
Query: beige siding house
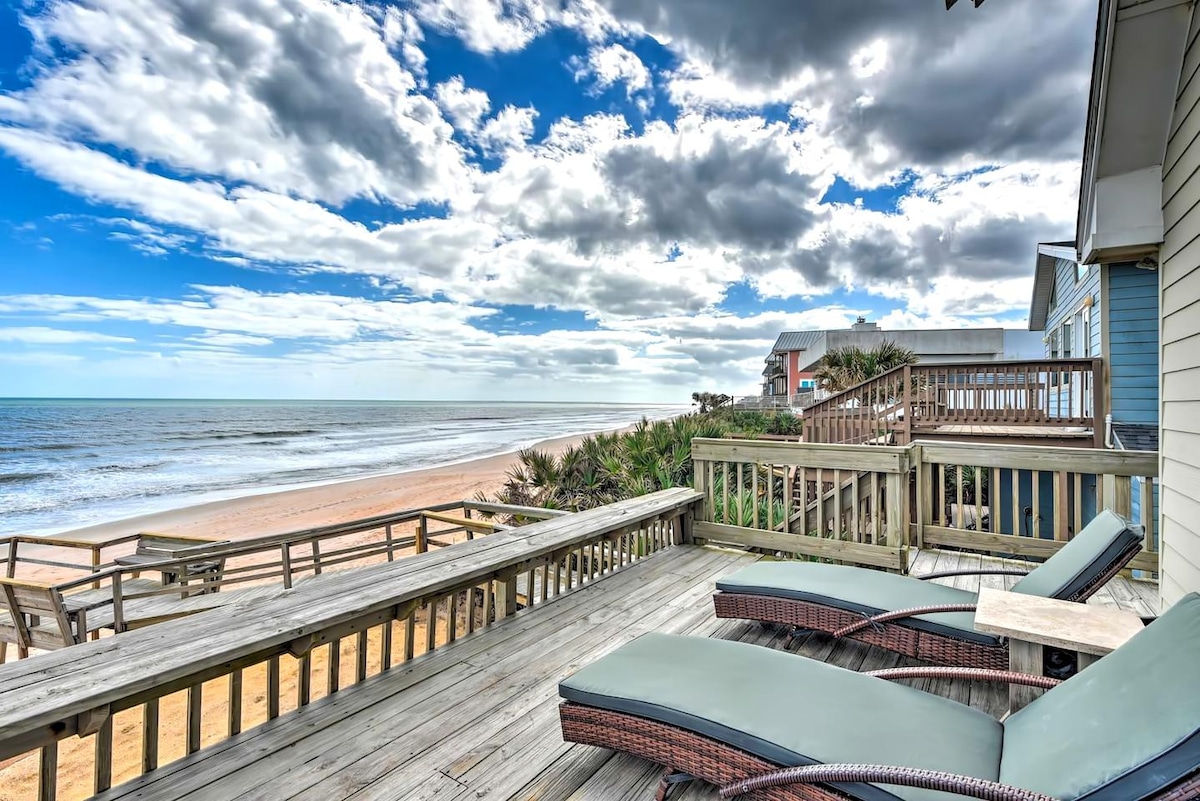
1138	202
1179	282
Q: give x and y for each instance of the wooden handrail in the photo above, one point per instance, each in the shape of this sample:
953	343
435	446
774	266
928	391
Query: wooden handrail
60	694
1064	393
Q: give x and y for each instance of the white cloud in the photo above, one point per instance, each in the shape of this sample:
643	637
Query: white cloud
508	131
37	335
465	107
295	96
611	65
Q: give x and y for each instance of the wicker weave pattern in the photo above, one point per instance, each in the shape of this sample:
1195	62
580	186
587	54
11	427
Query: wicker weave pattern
681	750
883	774
924	645
723	765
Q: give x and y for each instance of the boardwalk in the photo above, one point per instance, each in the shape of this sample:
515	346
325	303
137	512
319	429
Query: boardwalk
477	718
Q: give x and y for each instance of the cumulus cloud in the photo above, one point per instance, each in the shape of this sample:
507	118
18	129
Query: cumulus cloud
465	107
295	96
244	131
613	64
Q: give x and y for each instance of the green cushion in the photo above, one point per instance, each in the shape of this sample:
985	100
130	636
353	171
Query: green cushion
790	710
1082	559
1120	729
859	590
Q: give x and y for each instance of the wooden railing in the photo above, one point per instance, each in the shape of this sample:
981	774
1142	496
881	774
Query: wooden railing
867	504
1029	499
846	502
307	643
40	550
896	407
273	560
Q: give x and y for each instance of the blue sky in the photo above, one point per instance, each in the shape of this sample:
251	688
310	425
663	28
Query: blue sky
582	200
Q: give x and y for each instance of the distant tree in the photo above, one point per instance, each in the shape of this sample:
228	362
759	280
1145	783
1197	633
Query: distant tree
710	401
842	368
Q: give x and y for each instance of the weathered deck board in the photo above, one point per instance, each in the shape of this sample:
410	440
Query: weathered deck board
479	717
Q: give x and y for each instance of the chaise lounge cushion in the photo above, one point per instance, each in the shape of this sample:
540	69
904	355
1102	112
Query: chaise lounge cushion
1121	729
1084	559
1079	564
859	590
790	710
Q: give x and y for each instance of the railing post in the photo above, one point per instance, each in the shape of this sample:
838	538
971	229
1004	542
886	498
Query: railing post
906	404
924	495
1099	402
422	534
506	595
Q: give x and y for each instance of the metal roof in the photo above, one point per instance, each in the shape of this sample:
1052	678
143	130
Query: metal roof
796	340
1048	254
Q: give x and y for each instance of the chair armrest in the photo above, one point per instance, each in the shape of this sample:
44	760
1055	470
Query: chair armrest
900	614
974	674
966	786
995	572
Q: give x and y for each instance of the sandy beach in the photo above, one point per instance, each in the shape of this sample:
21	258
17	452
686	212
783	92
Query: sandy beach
239	519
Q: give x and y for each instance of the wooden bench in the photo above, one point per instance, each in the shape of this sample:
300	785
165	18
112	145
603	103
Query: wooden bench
154	547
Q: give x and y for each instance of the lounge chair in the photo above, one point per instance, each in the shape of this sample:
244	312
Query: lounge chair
749	718
913	616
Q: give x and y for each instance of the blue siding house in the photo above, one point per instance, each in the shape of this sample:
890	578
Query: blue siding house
1107	311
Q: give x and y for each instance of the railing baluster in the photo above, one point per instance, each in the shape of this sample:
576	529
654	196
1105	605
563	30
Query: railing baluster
304	679
725	492
272	688
235	703
1035	523
754	493
387	631
48	772
333	677
150	735
431	616
360	656
102	770
195	705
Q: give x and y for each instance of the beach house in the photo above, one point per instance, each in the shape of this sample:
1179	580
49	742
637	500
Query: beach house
1106	310
789	370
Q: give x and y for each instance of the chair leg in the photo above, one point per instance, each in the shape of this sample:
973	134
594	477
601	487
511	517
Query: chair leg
670	778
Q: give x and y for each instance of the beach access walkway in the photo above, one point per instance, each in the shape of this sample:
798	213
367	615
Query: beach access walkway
197	574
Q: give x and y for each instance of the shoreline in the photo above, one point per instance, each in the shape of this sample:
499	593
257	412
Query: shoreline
288	508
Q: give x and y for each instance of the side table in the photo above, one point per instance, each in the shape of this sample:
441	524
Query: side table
1030	623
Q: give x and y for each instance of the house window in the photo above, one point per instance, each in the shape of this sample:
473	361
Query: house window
1054	337
1067	339
1081	271
1053	303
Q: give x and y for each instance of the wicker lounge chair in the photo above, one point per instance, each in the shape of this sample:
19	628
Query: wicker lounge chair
913	616
753	719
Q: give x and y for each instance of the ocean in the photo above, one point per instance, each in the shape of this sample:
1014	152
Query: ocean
71	463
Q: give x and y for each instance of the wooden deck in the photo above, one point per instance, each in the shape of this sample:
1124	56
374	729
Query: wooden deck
478	718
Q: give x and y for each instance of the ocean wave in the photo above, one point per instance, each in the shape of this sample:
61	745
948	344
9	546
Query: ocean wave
23	478
124	468
297	432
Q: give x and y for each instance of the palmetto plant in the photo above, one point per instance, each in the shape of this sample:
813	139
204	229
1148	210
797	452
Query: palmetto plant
606	468
842	368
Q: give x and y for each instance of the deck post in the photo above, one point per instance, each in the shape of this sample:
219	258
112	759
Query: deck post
422	534
506	595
